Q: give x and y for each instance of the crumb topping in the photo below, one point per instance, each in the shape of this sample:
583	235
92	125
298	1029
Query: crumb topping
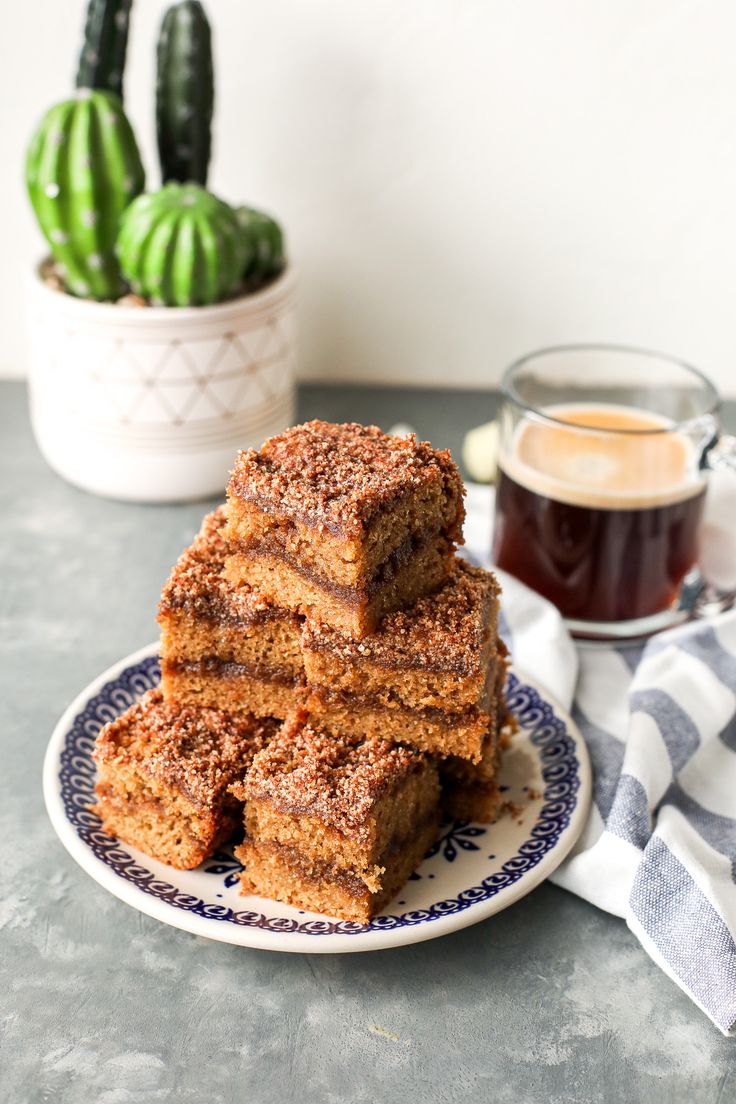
195	750
339	476
196	583
338	779
445	631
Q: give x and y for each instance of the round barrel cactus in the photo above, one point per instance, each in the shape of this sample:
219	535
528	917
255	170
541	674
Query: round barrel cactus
182	247
82	170
265	240
185	93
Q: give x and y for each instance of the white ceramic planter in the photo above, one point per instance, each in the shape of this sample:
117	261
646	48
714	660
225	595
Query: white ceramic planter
151	404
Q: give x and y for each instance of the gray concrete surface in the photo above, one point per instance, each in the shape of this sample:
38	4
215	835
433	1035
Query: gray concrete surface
550	1002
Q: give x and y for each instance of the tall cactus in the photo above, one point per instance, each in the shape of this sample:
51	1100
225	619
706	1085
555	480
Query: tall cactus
82	170
102	60
185	94
182	246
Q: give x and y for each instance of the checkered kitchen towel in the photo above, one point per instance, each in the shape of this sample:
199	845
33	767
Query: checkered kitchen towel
659	848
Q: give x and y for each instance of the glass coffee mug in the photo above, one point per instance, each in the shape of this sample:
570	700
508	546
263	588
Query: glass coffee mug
603	460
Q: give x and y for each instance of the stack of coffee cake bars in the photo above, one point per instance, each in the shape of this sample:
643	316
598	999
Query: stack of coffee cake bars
331	677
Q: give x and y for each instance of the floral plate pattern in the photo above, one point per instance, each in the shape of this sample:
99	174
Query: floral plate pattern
469	873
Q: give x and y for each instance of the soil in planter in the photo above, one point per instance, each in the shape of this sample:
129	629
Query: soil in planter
52	278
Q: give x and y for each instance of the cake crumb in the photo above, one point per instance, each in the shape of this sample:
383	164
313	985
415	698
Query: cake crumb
514	810
376	1029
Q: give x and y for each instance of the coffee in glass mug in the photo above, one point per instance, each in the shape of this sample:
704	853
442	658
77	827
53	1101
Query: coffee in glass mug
601	483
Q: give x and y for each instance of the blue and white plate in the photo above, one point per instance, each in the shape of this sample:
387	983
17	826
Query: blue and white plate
471	871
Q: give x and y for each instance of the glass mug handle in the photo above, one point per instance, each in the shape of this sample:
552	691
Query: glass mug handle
702	598
720	454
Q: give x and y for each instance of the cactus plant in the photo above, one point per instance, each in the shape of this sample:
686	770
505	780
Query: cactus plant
82	170
266	244
184	93
182	246
102	60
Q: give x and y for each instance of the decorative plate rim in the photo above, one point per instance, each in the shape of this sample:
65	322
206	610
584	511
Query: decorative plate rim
252	930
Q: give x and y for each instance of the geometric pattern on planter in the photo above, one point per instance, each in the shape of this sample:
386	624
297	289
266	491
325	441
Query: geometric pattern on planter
229	374
142	380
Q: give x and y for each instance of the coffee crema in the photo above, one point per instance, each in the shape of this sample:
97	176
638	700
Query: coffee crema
604	524
612	457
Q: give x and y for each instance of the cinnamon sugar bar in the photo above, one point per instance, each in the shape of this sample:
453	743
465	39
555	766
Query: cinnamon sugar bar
343	523
428	676
164	773
335	824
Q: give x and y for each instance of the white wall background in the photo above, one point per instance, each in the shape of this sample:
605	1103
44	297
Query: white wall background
461	180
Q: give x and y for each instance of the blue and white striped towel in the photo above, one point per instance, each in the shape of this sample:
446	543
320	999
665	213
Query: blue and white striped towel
659	848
